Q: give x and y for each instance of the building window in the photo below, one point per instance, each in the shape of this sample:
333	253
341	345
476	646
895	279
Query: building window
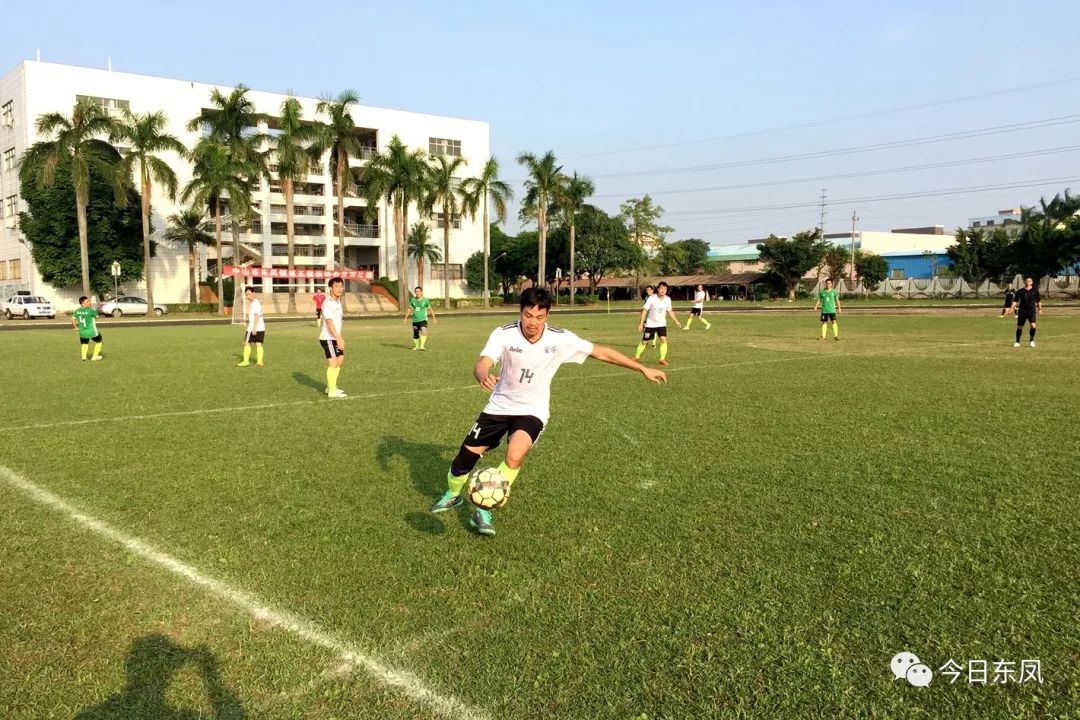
11	206
989	223
3	271
440	220
112	106
898	275
455	271
443	146
15	269
9	159
7	114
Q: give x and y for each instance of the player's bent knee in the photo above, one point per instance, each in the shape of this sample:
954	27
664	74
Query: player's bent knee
465	460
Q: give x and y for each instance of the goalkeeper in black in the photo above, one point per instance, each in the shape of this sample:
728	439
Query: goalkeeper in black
1027	304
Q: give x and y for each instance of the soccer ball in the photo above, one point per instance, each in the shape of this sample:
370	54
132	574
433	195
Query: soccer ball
488	489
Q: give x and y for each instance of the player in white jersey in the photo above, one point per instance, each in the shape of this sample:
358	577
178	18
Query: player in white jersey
653	321
256	329
649	292
330	336
529	352
700	296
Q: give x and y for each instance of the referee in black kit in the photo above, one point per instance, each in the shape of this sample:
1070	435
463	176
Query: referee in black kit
1028	305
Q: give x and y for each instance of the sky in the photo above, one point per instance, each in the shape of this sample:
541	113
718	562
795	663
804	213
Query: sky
681	100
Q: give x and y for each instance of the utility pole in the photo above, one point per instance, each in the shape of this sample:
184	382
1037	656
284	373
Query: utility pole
851	275
821	211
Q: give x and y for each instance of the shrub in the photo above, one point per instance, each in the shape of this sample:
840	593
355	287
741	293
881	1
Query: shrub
178	308
391	286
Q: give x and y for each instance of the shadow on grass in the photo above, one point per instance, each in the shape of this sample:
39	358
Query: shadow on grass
308	381
427	472
150	664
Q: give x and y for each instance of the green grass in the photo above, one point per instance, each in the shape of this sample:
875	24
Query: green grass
757	538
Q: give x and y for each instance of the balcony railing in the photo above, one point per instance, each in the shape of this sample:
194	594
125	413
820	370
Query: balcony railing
353	229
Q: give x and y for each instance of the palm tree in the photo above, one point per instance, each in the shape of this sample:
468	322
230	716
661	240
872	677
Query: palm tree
216	177
445	191
297	149
545	179
342	141
401	176
569	199
75	144
145	136
421	249
188	229
478	191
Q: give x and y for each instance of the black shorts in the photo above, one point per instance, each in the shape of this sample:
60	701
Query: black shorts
331	349
1023	317
696	312
318	312
488	431
417	327
255	337
828	317
650	333
86	341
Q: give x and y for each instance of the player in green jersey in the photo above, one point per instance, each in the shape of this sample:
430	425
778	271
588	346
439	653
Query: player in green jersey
829	302
419	308
84	319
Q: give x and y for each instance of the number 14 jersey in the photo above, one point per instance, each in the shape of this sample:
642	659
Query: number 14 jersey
524	386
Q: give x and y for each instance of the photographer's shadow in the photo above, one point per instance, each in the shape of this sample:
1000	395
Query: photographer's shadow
150	664
427	472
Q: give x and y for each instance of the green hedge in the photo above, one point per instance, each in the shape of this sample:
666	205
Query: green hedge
178	308
391	286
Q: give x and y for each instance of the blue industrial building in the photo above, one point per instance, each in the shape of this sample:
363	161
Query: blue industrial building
906	264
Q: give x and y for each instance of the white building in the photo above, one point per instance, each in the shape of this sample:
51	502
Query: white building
1009	219
33	88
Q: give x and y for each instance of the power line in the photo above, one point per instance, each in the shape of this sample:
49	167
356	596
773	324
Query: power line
817	123
890	145
863	173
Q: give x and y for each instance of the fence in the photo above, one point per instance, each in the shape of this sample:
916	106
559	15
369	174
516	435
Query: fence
1066	287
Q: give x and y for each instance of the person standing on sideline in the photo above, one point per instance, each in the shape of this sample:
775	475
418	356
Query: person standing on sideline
700	296
829	302
419	307
256	329
1027	304
649	292
318	298
84	319
330	338
653	322
1010	293
529	352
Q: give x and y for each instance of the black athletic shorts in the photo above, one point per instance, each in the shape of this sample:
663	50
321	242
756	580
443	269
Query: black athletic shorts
318	312
417	326
331	349
488	431
695	312
653	332
1023	317
828	317
86	341
255	337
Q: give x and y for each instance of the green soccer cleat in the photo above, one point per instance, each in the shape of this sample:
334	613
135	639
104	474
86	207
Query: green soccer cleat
481	520
447	502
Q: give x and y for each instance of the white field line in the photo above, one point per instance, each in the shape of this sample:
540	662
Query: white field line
424	391
401	680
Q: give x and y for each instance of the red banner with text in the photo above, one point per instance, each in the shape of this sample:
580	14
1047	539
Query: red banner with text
297	274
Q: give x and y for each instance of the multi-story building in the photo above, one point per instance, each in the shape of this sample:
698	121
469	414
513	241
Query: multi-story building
1009	219
33	88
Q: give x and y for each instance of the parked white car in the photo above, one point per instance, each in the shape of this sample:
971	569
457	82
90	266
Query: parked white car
128	305
28	306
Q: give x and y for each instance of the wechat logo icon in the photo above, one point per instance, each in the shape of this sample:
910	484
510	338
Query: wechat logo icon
907	666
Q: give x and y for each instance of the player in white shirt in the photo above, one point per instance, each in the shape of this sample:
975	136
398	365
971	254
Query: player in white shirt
649	292
330	336
700	296
529	352
653	321
256	329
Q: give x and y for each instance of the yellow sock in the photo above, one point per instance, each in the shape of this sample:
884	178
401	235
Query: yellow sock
688	321
640	349
331	378
247	353
663	351
97	349
258	353
508	472
454	483
835	329
824	329
423	340
85	349
416	342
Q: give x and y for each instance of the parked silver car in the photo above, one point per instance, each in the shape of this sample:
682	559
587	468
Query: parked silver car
28	306
128	305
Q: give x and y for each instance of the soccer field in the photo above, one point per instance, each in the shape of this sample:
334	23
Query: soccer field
755	539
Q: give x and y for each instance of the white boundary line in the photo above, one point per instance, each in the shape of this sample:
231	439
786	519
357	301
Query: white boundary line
403	681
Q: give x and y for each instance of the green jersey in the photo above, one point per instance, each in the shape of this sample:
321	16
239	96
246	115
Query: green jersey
85	320
419	308
828	301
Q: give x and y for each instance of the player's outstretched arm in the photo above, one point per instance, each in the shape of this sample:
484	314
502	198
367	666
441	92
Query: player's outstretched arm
614	357
482	373
641	320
